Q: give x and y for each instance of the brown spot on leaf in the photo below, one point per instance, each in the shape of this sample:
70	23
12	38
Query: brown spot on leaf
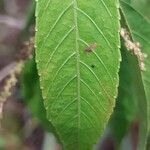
91	47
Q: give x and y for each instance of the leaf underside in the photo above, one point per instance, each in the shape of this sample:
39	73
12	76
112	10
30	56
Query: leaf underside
129	93
77	54
32	94
140	32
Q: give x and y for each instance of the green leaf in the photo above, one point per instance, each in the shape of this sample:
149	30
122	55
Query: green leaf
77	53
126	107
142	6
32	94
140	31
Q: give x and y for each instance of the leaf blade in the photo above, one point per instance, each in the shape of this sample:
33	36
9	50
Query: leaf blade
139	28
32	94
78	86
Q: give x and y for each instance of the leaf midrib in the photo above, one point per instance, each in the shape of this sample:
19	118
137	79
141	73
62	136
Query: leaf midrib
78	64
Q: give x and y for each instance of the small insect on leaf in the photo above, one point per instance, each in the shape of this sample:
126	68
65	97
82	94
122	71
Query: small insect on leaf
91	47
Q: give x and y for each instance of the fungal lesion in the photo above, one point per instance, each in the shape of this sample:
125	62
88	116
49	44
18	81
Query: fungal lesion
91	47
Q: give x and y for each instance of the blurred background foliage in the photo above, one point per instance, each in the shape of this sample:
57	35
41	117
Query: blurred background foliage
24	125
143	6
